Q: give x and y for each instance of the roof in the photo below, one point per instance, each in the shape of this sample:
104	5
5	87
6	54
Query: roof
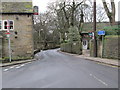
17	7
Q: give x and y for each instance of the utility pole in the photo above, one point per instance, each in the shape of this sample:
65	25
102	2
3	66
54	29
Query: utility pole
95	41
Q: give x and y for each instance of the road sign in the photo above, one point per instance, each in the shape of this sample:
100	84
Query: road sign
7	33
90	33
101	32
35	10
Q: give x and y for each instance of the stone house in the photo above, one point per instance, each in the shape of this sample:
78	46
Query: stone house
19	16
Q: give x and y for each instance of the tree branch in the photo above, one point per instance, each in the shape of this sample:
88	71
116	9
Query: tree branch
106	8
113	7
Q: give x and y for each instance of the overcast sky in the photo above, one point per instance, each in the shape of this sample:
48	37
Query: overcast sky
43	5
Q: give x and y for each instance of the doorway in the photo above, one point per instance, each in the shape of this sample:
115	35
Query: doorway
85	44
85	51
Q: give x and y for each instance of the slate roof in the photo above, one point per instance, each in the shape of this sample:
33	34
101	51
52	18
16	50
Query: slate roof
17	7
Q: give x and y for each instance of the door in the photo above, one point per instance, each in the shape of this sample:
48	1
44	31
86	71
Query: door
85	44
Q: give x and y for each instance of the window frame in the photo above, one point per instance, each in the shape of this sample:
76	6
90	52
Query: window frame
4	25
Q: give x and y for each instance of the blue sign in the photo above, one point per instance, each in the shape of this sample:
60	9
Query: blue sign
101	32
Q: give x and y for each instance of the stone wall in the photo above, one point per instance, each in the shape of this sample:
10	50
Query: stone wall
91	45
75	48
22	42
110	47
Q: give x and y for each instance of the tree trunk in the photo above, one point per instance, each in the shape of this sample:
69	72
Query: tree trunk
66	17
111	15
113	12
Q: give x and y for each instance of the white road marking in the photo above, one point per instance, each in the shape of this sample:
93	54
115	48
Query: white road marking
18	67
28	63
12	67
5	69
99	80
22	65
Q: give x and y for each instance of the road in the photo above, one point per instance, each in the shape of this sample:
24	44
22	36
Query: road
57	70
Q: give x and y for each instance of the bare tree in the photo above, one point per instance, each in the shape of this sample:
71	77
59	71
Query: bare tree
110	12
67	13
88	12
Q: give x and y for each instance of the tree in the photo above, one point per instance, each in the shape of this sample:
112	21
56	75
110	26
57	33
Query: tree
73	34
88	12
68	13
45	30
110	12
73	8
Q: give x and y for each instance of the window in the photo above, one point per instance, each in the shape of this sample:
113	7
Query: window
11	25
8	24
5	24
0	25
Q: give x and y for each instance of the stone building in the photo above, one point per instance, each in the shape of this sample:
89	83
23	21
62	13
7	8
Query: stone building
19	16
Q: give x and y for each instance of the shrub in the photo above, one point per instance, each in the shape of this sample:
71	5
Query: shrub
112	30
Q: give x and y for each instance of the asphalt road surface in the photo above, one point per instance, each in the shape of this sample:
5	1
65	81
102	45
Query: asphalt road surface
57	70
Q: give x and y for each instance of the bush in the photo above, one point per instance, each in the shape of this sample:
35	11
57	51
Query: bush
73	34
112	30
75	48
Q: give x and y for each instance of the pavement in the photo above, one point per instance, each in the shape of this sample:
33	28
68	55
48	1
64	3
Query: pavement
16	62
113	62
54	69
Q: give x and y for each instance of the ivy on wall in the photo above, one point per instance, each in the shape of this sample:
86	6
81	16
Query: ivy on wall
112	30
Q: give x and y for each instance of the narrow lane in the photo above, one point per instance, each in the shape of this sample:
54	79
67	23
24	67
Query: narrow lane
58	70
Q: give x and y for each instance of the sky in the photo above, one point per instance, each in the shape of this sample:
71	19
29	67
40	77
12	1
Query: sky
42	4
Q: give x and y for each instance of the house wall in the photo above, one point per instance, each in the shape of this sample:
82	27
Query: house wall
22	46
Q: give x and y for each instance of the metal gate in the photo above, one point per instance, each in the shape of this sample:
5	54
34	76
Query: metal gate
0	47
85	44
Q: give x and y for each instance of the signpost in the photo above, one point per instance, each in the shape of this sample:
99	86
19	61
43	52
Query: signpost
91	34
9	42
102	33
